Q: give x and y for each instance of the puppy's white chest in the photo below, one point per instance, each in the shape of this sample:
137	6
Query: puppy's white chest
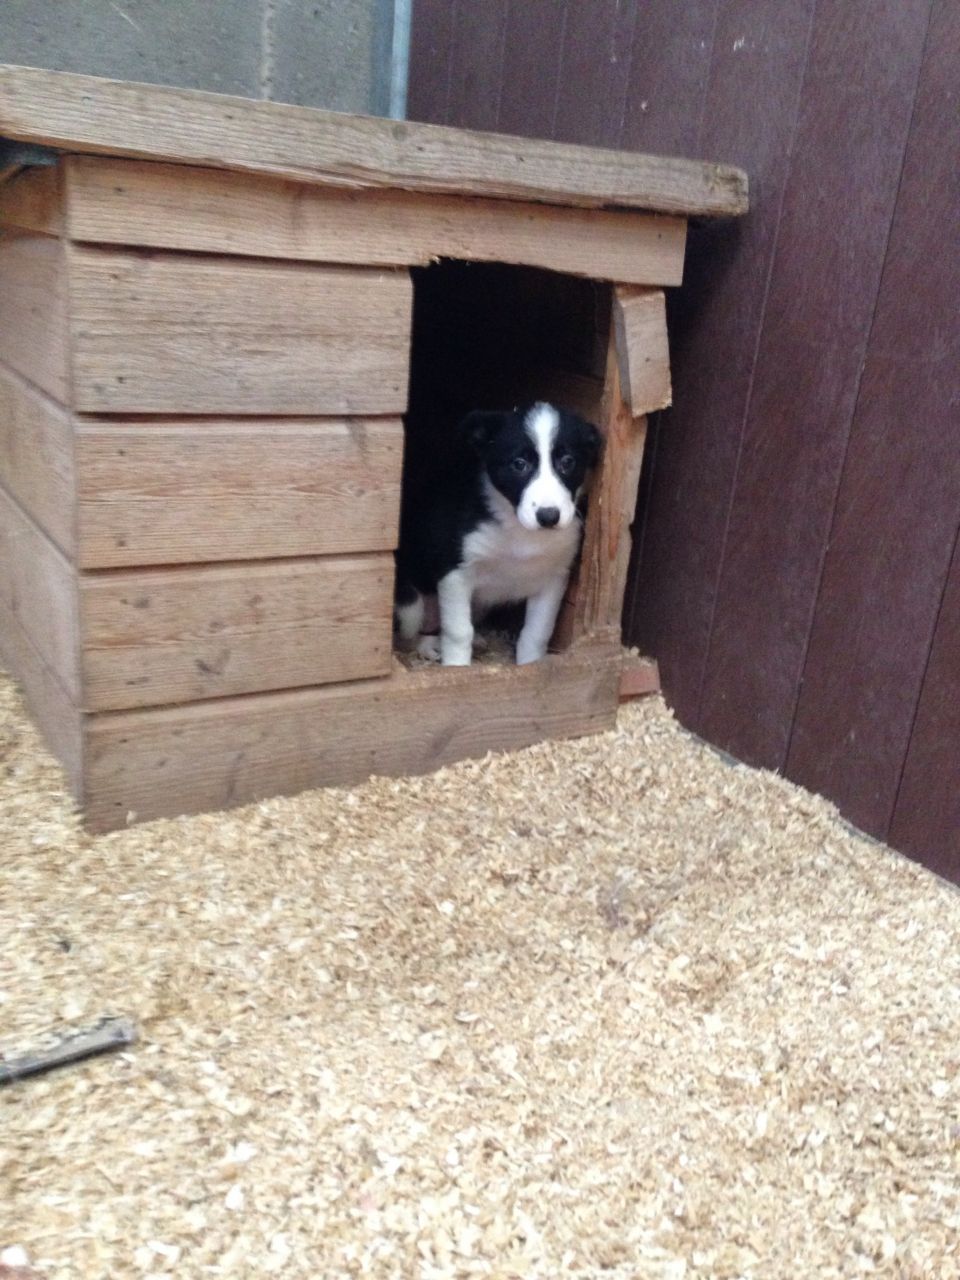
512	563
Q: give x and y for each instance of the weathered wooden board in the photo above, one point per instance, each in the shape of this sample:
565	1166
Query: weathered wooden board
129	202
33	199
820	297
156	122
171	333
213	755
36	457
160	636
926	820
34	337
57	718
639	678
880	604
607	543
746	107
186	491
38	590
643	351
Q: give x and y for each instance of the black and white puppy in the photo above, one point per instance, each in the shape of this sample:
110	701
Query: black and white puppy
503	526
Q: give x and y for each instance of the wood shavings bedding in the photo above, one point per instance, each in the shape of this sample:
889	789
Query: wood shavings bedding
611	1007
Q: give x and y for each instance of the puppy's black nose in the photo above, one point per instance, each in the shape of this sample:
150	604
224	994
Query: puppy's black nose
548	516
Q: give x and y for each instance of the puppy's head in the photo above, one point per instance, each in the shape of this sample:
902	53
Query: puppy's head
537	459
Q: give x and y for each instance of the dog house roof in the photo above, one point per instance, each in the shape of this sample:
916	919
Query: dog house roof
153	122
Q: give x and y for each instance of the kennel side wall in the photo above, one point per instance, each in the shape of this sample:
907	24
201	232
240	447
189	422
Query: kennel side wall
202	376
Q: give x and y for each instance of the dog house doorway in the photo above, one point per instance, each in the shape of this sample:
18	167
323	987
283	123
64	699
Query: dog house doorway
493	336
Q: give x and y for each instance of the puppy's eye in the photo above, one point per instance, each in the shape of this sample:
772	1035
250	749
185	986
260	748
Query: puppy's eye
566	464
521	466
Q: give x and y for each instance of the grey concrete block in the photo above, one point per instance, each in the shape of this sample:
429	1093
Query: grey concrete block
329	53
201	44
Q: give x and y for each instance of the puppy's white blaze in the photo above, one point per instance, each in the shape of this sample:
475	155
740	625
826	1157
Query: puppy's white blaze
545	489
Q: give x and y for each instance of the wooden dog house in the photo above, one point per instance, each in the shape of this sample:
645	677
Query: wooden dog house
205	345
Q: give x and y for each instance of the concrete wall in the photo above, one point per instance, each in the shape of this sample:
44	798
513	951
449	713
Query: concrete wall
321	53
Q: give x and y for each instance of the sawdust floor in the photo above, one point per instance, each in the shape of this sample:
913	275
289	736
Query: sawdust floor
610	1008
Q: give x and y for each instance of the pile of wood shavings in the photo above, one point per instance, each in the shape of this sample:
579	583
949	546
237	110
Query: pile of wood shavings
611	1007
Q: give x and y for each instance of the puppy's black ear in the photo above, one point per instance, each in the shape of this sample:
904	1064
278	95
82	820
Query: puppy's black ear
480	427
589	440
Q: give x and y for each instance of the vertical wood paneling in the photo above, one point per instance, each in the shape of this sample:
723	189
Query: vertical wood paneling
897	509
532	48
926	821
669	69
838	201
715	328
595	71
476	67
799	502
431	42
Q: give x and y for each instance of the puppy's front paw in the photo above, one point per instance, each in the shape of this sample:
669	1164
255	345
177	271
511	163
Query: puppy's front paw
429	647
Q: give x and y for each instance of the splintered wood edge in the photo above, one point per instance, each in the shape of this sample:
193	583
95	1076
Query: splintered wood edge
158	122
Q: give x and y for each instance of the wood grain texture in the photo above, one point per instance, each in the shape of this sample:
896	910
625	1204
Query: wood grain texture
896	513
479	34
162	636
532	47
130	202
55	715
33	199
38	590
596	68
601	580
749	111
36	457
155	122
171	333
428	76
34	337
640	678
209	756
181	492
926	820
821	299
643	352
669	62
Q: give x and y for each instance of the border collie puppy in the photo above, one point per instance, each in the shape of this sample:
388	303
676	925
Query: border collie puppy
500	526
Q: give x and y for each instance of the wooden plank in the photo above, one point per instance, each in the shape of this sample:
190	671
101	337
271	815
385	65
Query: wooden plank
821	297
158	636
613	497
129	202
640	678
38	590
187	334
34	337
643	352
749	113
216	754
429	70
186	491
56	717
36	457
33	199
926	820
896	511
668	63
593	77
478	47
157	122
532	47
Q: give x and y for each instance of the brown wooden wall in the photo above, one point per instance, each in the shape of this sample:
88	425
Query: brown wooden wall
797	566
